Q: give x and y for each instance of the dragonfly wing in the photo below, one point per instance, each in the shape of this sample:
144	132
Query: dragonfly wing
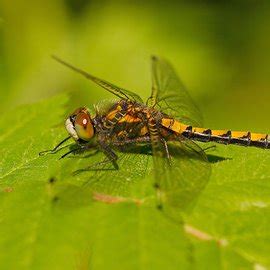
101	181
170	95
117	91
180	181
103	106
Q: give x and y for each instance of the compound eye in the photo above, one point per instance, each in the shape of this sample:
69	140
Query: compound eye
84	126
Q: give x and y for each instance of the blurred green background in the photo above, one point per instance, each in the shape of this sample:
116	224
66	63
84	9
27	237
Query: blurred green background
220	49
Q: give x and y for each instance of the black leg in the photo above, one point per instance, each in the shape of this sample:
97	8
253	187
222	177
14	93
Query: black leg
80	148
54	150
69	152
144	139
109	153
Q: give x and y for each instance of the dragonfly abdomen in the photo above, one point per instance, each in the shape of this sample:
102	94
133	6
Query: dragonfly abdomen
229	137
219	136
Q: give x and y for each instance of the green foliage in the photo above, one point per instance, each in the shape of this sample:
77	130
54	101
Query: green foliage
223	59
51	219
40	232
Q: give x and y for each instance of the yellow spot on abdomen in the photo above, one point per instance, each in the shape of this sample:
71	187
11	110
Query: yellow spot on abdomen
218	132
258	136
174	125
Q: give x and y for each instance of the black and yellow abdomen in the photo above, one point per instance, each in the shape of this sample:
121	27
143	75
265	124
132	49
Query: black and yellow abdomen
220	136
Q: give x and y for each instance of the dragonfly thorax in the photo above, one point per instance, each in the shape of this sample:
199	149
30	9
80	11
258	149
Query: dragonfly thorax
79	125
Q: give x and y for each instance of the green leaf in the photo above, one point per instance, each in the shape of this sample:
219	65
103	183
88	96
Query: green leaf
51	218
46	224
234	208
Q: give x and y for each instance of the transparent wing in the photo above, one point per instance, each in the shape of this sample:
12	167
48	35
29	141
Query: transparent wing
117	91
103	182
180	181
170	95
133	167
103	106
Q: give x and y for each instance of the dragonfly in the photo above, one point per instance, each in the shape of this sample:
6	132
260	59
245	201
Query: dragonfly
169	123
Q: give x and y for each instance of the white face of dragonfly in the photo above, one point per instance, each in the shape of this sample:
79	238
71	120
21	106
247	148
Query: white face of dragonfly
79	125
71	130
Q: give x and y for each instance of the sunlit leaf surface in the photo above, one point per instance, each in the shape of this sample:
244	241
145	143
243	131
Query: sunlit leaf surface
51	218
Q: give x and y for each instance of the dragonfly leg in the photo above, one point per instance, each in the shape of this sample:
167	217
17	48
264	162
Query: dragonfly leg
55	149
112	157
69	152
166	150
78	149
143	139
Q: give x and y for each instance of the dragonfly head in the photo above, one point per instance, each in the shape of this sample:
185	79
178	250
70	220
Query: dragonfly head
79	125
